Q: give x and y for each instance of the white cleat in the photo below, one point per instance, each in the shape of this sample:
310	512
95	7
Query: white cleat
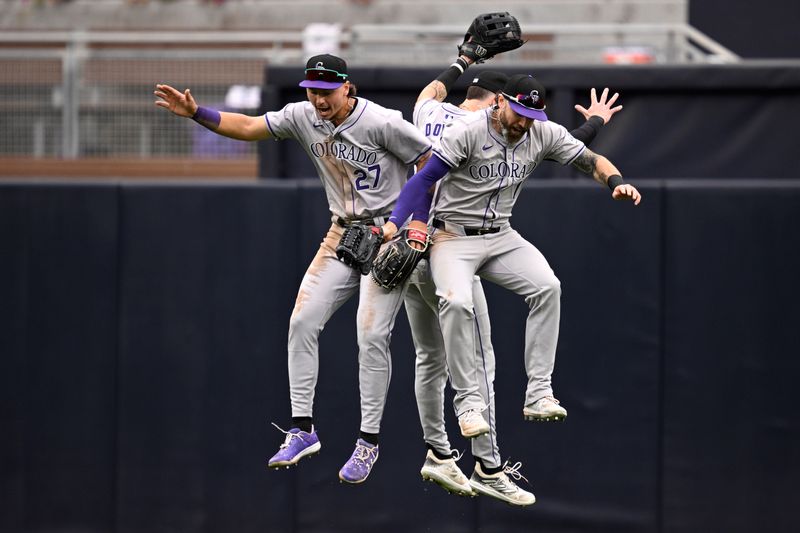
446	474
501	486
472	424
544	410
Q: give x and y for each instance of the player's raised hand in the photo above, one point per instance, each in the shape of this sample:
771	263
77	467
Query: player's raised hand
601	108
626	191
180	103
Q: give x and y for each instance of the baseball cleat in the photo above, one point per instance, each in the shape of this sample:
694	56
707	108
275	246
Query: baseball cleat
446	474
360	464
298	444
501	486
544	410
472	424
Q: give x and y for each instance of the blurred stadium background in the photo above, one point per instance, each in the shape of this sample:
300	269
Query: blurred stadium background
148	268
77	74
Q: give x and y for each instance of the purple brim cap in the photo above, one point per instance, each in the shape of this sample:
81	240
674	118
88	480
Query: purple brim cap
528	112
315	84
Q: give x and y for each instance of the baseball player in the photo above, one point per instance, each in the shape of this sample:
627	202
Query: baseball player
431	115
362	153
486	157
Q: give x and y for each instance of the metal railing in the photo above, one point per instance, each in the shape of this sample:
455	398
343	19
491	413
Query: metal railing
89	94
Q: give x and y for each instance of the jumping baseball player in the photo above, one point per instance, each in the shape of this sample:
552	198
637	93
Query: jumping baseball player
431	115
486	157
362	153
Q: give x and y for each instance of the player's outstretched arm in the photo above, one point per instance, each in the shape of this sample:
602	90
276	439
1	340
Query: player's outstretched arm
415	200
600	108
604	172
233	125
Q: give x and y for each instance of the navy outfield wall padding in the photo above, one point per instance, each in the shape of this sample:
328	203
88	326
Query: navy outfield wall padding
202	358
143	357
63	257
14	230
731	419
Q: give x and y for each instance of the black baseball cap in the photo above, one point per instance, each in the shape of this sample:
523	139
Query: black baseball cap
491	80
325	71
526	96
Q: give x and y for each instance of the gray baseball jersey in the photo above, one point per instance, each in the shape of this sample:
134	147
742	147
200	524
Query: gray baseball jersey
363	163
486	174
358	161
480	192
431	117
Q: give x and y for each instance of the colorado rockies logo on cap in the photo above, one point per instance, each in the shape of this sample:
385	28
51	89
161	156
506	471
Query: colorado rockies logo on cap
526	96
325	71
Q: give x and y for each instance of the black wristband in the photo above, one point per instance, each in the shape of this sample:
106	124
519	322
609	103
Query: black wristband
597	121
449	76
587	131
614	181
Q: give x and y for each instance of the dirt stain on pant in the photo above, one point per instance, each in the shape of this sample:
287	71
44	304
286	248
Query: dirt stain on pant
326	252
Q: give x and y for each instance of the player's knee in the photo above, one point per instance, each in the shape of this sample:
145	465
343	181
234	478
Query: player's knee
301	327
547	289
372	338
456	303
553	287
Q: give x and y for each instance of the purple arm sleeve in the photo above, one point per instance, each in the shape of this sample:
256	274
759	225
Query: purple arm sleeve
210	118
414	197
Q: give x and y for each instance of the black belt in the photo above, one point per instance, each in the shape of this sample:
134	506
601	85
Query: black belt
365	221
439	224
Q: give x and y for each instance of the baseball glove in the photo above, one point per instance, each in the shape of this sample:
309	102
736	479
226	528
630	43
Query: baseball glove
399	258
491	34
359	245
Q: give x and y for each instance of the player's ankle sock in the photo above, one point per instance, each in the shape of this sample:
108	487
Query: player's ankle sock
372	438
437	454
489	470
303	423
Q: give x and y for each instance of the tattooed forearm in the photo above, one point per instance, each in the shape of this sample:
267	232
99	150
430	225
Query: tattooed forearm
586	162
594	165
441	91
434	90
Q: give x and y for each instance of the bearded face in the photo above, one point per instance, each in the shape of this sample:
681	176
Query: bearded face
512	125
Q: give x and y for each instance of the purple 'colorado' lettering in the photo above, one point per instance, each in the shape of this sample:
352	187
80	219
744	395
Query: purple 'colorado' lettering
500	170
343	151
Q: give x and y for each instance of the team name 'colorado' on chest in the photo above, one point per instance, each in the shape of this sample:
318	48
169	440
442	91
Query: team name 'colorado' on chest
340	150
500	170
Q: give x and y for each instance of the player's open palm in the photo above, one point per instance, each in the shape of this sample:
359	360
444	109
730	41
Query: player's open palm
180	103
626	191
601	108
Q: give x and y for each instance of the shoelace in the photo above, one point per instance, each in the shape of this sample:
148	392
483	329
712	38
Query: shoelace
471	415
363	453
456	455
289	436
513	471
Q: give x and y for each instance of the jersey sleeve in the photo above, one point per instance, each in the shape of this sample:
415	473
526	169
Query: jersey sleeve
283	124
560	145
404	140
421	109
453	145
